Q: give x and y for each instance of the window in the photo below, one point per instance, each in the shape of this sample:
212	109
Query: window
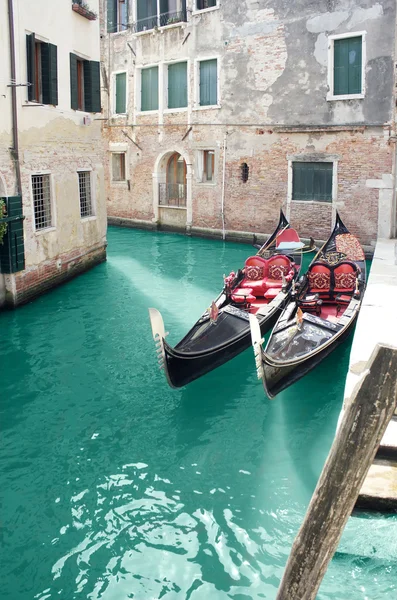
150	89
206	166
159	13
118	166
346	76
120	104
42	71
209	82
312	181
85	194
41	189
117	15
203	4
245	171
85	84
177	85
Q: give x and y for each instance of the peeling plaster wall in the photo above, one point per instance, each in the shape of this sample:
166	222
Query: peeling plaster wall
273	58
52	139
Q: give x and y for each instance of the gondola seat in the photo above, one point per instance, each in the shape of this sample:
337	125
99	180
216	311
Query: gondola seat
243	296
262	275
345	276
319	276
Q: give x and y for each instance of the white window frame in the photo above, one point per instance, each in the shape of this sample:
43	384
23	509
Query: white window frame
313	158
52	227
200	153
331	39
197	62
115	148
114	113
138	88
199	11
165	86
146	31
93	215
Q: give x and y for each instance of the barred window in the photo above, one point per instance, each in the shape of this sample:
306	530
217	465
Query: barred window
85	194
118	166
41	189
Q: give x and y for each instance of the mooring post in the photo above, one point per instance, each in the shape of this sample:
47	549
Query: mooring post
364	422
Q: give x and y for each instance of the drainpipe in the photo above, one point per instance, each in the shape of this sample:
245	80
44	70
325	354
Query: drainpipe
15	148
223	187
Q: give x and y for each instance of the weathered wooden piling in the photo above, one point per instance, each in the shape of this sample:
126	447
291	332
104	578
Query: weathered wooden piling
352	453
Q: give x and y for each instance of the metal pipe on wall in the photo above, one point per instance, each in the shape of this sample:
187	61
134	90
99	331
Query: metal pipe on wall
223	187
15	149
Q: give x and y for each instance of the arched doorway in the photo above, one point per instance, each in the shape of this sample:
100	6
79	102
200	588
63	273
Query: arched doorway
175	192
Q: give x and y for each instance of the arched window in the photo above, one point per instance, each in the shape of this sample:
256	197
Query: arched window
244	172
176	169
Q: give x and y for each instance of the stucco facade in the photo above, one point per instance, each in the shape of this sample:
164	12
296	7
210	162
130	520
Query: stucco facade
275	106
55	142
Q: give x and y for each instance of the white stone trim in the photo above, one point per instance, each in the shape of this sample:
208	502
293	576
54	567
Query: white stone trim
340	36
53	225
312	158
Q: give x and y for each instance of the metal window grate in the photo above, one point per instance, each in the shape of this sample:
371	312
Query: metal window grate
85	193
41	189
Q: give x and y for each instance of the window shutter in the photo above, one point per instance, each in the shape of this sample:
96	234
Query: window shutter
347	66
149	89
30	53
208	82
312	181
92	86
49	73
177	85
12	251
355	63
121	84
73	82
112	15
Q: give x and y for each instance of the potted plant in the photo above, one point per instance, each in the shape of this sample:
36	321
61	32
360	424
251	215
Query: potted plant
84	10
3	226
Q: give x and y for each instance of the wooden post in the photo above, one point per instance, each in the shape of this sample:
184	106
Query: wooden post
352	453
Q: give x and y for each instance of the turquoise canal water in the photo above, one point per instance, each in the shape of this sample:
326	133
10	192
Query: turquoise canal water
114	486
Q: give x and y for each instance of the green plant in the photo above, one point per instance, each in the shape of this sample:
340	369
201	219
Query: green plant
3	226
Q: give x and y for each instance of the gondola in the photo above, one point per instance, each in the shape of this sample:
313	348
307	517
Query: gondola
319	315
260	288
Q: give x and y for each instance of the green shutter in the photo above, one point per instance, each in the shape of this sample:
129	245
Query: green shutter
208	82
150	89
177	85
347	66
312	181
73	82
121	89
49	73
31	64
112	15
92	86
12	251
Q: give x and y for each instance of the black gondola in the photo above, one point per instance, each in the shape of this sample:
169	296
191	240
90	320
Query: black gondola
262	288
319	315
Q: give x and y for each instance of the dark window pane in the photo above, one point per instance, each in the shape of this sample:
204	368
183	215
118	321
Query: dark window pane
312	181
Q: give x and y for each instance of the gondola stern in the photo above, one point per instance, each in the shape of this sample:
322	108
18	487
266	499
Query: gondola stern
257	341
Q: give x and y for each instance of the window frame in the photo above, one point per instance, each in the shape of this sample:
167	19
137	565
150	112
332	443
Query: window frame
197	61
52	227
114	95
117	14
331	54
200	156
200	11
114	149
165	87
44	84
327	158
92	193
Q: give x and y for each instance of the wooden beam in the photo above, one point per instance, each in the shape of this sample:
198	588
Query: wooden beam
352	453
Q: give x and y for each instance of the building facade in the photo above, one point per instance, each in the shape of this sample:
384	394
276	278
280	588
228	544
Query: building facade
219	112
51	173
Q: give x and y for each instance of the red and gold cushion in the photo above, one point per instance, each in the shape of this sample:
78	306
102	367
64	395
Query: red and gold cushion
350	246
277	271
319	281
345	281
254	272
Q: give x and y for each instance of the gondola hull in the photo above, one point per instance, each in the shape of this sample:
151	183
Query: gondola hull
278	378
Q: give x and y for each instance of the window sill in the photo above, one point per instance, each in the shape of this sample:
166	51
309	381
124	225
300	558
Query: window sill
146	112
209	107
45	230
326	202
205	10
89	218
118	115
168	111
123	183
207	183
171	206
160	29
332	98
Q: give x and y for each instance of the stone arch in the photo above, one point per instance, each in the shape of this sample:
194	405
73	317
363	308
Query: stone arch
173	216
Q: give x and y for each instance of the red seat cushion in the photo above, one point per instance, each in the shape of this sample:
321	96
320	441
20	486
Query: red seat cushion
345	276
272	293
319	279
243	295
